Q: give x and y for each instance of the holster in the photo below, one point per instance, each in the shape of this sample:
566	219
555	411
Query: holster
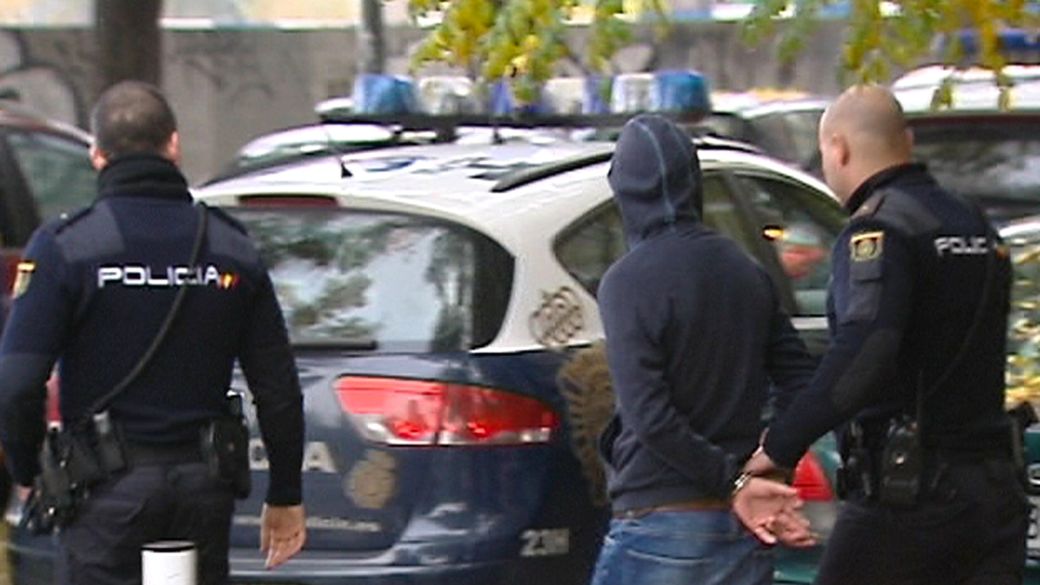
225	447
886	466
902	465
71	462
857	475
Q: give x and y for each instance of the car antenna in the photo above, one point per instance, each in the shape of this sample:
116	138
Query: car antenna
343	105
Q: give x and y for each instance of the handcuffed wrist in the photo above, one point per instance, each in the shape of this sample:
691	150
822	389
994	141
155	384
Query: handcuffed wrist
740	483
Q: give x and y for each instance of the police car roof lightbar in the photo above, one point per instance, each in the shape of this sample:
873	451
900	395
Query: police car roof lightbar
394	101
435	122
1017	46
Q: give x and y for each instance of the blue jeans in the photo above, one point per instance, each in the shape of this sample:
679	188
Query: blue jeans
682	548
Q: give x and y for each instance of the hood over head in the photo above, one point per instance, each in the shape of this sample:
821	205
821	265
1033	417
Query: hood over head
655	175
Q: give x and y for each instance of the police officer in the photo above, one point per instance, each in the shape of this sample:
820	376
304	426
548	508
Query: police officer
92	292
914	376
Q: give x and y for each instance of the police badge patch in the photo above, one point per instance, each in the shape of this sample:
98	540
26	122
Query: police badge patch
866	246
22	278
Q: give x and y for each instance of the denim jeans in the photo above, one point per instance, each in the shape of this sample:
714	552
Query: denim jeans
682	548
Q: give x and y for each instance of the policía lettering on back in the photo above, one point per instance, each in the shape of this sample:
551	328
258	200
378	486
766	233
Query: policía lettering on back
137	275
961	245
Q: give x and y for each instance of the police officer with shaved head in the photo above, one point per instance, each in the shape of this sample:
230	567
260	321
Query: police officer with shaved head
914	377
145	300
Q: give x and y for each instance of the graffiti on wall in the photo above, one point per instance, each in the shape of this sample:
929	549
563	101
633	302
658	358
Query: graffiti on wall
228	62
46	84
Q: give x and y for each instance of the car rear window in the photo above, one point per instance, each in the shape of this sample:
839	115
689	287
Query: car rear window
382	281
998	164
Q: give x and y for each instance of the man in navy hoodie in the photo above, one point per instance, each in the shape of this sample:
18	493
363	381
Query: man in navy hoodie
695	338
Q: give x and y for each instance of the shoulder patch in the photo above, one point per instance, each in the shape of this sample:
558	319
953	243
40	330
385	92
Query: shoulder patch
22	278
866	246
226	217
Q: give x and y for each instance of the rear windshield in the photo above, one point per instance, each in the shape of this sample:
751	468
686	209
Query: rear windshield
382	281
996	163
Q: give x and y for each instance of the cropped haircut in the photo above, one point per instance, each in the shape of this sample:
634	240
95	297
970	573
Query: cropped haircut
132	117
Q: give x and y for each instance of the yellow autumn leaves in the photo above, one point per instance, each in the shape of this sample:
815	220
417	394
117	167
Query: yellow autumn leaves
522	41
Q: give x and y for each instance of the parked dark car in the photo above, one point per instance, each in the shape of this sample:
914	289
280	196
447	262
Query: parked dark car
45	171
972	145
785	129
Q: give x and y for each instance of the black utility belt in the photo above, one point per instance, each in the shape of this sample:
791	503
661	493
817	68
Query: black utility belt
139	454
897	470
72	462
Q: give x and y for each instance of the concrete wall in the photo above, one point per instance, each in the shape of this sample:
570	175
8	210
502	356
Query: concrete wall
230	85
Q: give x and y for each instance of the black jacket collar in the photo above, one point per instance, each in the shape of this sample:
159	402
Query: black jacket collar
879	180
143	175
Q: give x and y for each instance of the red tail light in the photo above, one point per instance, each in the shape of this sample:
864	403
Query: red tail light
417	412
811	481
53	409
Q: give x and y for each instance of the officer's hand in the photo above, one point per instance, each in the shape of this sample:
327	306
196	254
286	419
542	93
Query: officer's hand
283	531
23	492
761	503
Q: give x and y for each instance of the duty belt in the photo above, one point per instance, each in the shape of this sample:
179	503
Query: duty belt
160	454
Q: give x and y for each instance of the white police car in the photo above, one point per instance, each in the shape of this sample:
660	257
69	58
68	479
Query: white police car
435	296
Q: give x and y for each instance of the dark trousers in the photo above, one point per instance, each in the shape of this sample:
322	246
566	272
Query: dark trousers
971	530
148	503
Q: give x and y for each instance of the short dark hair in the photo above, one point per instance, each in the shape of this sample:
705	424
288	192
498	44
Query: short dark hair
132	117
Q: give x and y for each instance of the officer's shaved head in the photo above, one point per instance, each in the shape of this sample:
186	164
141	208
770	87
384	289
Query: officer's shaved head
132	117
862	132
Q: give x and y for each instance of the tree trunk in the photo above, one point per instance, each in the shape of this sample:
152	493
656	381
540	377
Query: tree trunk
128	40
371	39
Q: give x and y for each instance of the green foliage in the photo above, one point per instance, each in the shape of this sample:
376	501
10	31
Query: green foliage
876	41
1023	372
522	40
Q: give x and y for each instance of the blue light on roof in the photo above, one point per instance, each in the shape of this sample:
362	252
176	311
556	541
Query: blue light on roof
680	91
663	91
503	102
385	94
1016	45
593	101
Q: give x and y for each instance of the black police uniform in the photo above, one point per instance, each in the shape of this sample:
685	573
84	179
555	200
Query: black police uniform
93	290
909	275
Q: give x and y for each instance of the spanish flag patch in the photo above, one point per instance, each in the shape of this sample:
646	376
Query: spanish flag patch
22	278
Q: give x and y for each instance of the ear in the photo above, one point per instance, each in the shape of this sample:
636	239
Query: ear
173	148
841	149
97	158
909	139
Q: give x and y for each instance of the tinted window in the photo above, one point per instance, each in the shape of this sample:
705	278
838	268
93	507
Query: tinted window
589	247
57	170
791	136
998	163
807	224
396	281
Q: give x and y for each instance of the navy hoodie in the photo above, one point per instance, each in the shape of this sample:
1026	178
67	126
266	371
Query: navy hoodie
695	333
